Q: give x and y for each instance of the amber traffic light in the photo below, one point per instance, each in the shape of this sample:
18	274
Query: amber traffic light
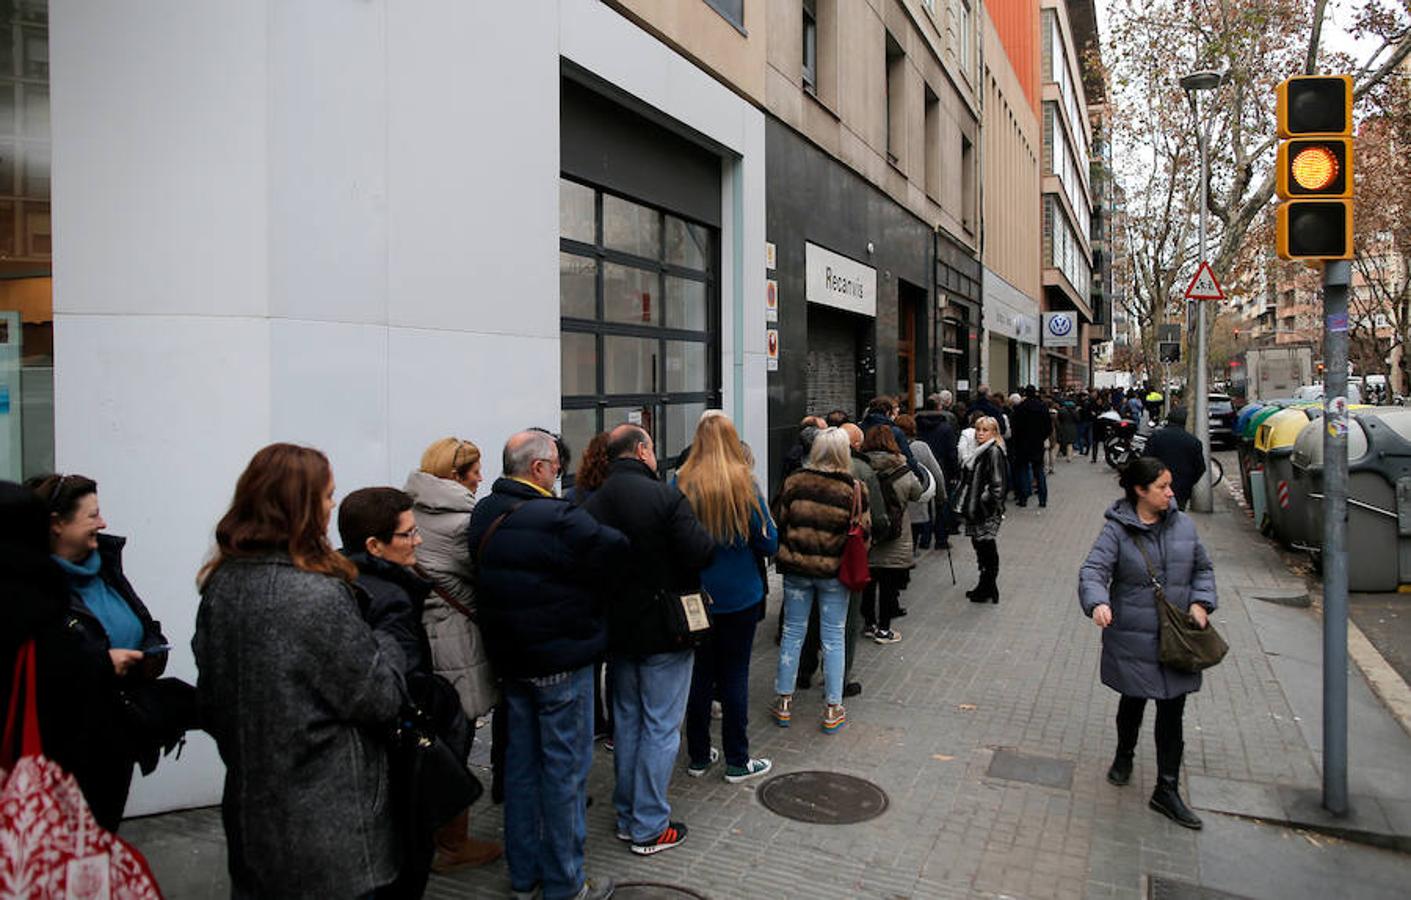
1313	172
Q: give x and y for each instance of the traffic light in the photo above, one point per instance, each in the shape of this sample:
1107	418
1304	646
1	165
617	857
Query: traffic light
1314	168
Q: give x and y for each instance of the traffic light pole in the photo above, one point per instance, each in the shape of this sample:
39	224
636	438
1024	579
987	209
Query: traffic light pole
1336	277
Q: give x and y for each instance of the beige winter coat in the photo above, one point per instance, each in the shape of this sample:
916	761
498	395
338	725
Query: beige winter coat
442	508
895	553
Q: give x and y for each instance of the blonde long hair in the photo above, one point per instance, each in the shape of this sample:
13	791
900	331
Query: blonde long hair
717	482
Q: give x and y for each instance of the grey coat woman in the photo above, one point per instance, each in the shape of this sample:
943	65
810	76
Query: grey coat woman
920	510
442	509
300	696
1114	573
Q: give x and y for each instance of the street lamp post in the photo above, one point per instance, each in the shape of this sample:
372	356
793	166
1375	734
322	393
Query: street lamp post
1201	497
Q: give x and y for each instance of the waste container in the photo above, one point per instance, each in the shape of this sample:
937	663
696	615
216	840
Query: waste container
1378	496
1274	440
1245	444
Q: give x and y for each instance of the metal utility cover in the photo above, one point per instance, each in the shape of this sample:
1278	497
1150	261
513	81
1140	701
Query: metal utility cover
651	890
1159	887
1012	765
825	798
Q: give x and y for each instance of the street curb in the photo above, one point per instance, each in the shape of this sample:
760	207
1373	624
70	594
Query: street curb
1395	694
1389	686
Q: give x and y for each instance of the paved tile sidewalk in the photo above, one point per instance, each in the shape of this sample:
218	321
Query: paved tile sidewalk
965	680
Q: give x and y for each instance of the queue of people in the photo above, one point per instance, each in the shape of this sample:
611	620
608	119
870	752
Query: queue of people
623	610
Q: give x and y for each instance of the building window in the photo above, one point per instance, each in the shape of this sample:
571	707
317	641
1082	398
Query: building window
895	99
639	319
933	144
732	11
967	184
810	46
967	40
26	267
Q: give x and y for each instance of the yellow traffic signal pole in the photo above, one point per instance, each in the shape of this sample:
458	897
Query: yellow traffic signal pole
1337	274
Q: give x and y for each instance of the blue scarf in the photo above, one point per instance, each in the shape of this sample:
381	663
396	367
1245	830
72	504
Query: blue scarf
124	628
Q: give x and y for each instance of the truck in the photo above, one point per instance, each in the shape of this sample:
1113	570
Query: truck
1270	373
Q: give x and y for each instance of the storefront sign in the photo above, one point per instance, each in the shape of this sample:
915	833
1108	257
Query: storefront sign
1009	312
1060	329
771	300
840	282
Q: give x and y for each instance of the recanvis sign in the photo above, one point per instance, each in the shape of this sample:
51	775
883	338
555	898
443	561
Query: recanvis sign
837	281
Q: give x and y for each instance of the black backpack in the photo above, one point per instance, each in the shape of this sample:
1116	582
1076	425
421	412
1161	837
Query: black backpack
896	509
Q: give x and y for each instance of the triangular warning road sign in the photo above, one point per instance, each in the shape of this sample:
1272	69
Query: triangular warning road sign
1204	286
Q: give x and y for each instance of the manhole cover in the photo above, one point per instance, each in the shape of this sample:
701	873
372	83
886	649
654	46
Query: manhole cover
827	798
1012	765
1160	887
651	890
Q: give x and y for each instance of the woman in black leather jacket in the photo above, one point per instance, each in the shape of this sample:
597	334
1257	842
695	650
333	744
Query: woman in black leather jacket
980	502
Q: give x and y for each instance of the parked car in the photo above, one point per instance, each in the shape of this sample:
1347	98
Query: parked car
1222	420
1314	393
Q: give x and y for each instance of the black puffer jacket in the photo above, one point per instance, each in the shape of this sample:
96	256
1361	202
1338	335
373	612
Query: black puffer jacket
669	550
392	598
540	580
936	427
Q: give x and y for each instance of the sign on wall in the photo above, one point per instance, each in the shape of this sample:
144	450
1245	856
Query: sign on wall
832	279
771	300
771	346
1060	329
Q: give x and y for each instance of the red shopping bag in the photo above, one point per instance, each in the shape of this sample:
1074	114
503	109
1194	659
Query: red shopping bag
50	844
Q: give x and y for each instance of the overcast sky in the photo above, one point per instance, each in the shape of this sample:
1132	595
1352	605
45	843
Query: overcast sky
1335	36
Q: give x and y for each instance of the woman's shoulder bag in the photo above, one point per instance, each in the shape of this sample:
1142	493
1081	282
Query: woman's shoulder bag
1185	646
854	572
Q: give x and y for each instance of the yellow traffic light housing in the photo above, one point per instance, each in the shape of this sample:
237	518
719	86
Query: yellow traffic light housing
1314	229
1313	172
1315	104
1318	167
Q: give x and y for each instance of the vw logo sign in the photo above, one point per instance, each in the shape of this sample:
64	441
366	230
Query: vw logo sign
1060	325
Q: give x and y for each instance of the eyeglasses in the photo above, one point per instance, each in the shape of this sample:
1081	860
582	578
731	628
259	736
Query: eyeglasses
410	534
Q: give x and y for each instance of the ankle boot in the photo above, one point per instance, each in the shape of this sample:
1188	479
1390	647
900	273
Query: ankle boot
1166	799
455	849
1120	773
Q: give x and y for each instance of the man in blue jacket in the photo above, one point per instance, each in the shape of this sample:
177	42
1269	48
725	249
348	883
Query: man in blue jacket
539	562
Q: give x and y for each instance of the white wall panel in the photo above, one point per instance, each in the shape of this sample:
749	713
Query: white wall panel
159	177
327	184
473	152
480	387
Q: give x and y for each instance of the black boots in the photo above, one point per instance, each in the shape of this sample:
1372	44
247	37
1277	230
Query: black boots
1166	799
987	556
1120	773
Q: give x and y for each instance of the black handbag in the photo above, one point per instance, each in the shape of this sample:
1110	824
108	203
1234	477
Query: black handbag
429	745
687	617
1184	646
156	714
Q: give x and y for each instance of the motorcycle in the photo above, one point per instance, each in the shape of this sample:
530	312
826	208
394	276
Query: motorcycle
1125	440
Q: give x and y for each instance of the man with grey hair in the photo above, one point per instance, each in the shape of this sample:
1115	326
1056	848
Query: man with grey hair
539	564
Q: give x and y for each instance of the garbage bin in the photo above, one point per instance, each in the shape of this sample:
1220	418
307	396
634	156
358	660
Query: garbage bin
1244	443
1378	497
1274	439
1252	461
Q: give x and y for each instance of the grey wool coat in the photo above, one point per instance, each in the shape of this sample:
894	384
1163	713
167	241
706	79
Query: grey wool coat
299	694
442	509
1114	573
895	553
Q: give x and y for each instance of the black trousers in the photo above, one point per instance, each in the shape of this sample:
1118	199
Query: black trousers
1170	732
987	558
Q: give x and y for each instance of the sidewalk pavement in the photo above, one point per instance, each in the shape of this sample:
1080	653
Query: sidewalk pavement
938	712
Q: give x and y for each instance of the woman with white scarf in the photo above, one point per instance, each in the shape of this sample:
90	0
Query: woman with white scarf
980	503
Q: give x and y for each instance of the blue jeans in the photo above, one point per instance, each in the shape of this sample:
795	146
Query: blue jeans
799	593
648	702
546	780
1085	436
722	670
1029	473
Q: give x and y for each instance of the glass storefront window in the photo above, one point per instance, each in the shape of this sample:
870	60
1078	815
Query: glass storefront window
578	286
578	427
26	284
630	295
578	361
637	344
631	227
